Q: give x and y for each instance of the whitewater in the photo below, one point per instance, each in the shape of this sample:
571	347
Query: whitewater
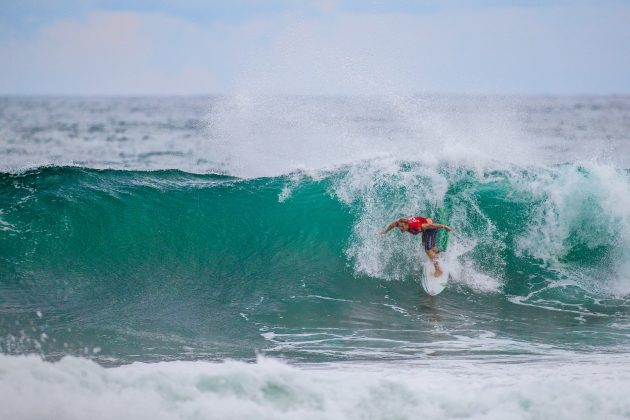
219	257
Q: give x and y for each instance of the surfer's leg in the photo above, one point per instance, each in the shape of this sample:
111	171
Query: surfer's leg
429	239
431	253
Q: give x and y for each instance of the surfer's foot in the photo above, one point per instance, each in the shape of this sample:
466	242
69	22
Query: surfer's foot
438	271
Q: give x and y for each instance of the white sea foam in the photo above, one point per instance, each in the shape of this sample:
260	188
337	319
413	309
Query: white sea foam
383	190
582	204
593	387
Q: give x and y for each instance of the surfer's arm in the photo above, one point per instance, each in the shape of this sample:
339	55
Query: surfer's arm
435	226
391	226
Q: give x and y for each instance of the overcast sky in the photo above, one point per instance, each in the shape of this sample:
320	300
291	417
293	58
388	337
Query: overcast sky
314	47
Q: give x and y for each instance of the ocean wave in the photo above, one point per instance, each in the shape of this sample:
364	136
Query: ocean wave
534	226
155	255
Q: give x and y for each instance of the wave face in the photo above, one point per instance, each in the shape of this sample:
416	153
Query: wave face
162	265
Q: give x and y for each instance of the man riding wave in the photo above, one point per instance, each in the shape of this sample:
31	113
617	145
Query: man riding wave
417	224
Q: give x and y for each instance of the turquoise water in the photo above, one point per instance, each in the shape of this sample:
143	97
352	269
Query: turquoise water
211	266
139	230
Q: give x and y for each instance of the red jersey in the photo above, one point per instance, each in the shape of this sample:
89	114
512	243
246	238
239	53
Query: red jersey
415	224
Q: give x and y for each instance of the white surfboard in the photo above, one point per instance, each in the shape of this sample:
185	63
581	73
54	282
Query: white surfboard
431	284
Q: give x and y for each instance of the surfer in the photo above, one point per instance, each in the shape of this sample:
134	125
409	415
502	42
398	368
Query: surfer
417	224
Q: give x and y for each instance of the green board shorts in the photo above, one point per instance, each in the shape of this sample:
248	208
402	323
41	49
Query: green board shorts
442	240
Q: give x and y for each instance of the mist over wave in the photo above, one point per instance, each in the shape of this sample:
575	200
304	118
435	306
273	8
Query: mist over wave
252	136
270	136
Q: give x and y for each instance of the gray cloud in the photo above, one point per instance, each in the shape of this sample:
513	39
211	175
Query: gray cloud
496	50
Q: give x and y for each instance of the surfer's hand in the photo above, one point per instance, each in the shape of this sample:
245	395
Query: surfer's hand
448	229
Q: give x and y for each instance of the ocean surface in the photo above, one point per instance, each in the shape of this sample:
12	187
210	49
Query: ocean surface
219	257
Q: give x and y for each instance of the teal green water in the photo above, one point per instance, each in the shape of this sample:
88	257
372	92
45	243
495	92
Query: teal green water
129	265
